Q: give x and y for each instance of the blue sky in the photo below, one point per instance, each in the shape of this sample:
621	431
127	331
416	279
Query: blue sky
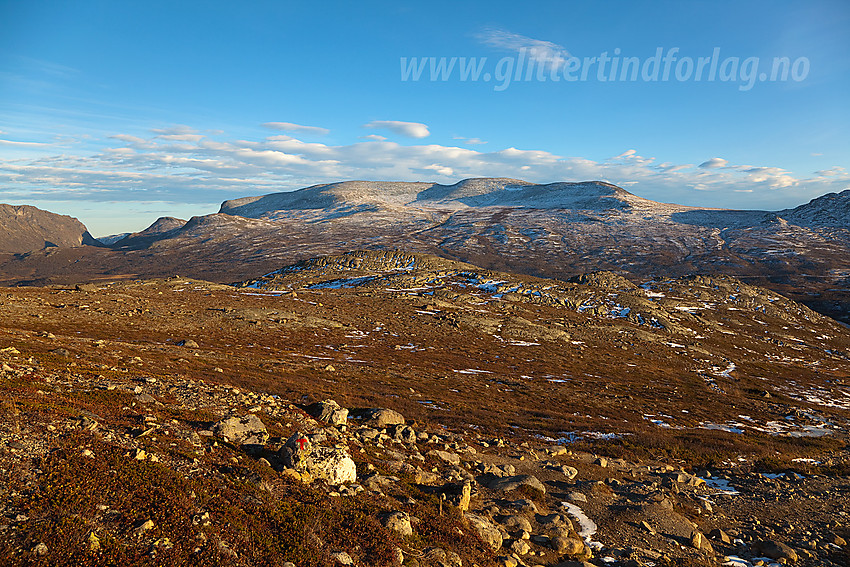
120	112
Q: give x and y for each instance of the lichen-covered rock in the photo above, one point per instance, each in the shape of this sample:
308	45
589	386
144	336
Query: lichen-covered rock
246	430
328	411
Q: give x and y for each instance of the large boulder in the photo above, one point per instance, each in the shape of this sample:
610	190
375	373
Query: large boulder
383	417
331	464
488	533
328	411
245	430
777	550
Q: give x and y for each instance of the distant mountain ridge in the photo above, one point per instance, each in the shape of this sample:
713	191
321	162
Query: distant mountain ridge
832	209
24	228
475	192
554	230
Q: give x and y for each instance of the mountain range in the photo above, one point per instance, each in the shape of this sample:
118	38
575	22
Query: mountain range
555	230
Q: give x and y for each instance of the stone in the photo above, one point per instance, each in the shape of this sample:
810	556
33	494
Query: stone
509	483
488	533
458	494
398	522
835	539
328	411
777	550
699	541
514	522
331	464
143	527
342	558
438	557
569	472
188	343
246	430
520	547
719	535
403	433
446	456
567	545
577	497
40	549
383	417
93	542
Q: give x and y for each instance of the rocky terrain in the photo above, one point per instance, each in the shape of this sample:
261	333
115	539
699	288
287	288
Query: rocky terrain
26	229
557	230
380	408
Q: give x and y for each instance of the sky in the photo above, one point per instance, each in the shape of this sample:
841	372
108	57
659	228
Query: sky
121	112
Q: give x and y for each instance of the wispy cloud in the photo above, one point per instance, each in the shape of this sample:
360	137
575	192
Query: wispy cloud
296	128
470	141
22	144
546	53
408	129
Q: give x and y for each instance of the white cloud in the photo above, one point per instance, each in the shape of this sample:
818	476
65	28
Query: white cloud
130	168
409	129
297	128
373	137
713	163
546	53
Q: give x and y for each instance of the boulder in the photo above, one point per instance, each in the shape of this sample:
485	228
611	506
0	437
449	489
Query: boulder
398	522
458	494
331	464
488	533
509	483
246	430
514	523
403	433
567	545
383	417
777	550
328	411
451	458
699	541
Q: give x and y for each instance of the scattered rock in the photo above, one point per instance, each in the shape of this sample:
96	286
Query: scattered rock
188	343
